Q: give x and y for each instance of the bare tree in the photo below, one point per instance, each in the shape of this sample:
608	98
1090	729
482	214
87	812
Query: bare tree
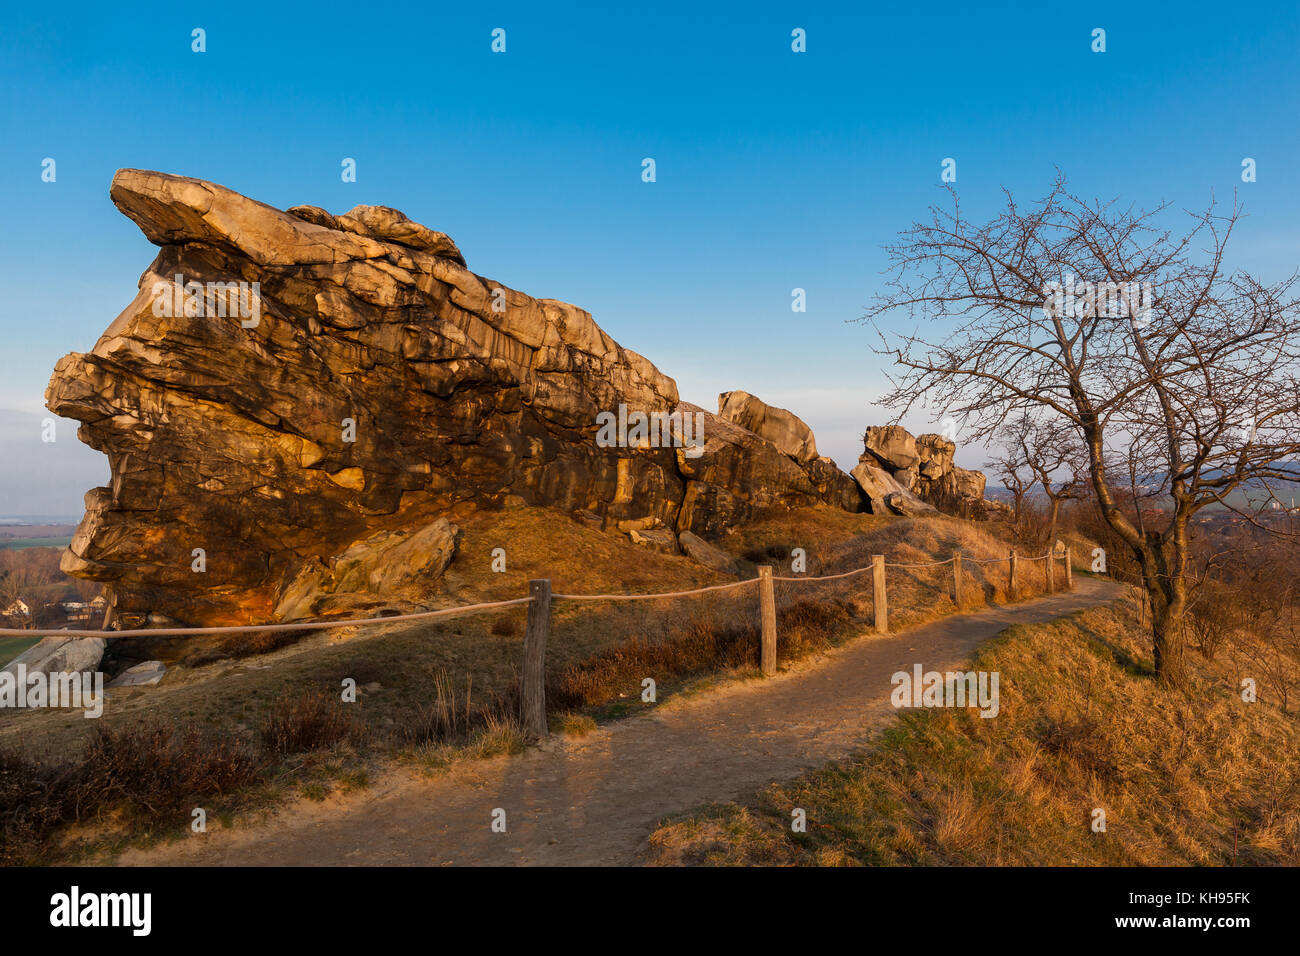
1135	337
1055	458
1013	472
10	589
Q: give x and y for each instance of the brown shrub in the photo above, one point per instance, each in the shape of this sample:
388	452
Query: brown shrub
305	722
147	771
155	769
696	647
699	646
808	626
34	799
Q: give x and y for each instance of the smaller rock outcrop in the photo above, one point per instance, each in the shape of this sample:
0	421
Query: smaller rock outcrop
738	473
880	486
902	474
660	539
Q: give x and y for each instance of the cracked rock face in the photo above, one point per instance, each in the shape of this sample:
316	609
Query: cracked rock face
293	401
783	428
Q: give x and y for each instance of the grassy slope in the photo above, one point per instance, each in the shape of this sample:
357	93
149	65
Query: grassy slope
485	649
11	647
1083	725
597	654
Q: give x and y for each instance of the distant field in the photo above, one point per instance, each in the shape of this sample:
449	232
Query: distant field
17	543
11	647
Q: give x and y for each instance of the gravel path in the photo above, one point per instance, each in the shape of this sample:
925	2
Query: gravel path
594	800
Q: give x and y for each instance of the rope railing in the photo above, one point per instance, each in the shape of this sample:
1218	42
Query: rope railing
263	628
330	623
532	691
826	577
648	597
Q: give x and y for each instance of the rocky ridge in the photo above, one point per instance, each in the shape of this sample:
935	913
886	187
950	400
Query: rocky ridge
294	400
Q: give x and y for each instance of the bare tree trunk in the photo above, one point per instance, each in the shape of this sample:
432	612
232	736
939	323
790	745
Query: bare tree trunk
1168	644
1167	589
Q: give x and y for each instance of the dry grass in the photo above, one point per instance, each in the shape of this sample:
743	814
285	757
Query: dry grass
1205	779
434	692
139	777
836	542
572	724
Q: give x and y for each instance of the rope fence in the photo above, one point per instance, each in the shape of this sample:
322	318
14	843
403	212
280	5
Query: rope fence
651	597
540	598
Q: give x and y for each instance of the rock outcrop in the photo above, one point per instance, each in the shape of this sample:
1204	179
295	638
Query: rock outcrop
739	473
294	400
60	655
900	474
389	567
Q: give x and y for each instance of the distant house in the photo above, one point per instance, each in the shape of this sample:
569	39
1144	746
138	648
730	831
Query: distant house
78	612
18	609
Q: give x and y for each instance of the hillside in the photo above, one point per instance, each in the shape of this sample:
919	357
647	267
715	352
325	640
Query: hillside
1206	780
430	693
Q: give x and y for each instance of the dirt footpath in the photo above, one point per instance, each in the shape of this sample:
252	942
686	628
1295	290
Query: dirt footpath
594	801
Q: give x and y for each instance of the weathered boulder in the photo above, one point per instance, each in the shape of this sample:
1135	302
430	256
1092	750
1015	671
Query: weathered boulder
60	655
936	455
736	474
891	445
907	504
879	486
833	486
706	554
144	674
660	539
784	429
793	438
386	568
289	392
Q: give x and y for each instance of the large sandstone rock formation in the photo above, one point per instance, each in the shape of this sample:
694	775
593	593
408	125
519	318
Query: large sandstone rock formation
290	447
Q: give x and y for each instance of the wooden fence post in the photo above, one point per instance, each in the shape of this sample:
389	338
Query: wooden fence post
767	604
533	692
1051	572
1069	571
1011	581
881	602
956	579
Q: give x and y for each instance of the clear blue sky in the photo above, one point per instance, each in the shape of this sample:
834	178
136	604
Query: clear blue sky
775	169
